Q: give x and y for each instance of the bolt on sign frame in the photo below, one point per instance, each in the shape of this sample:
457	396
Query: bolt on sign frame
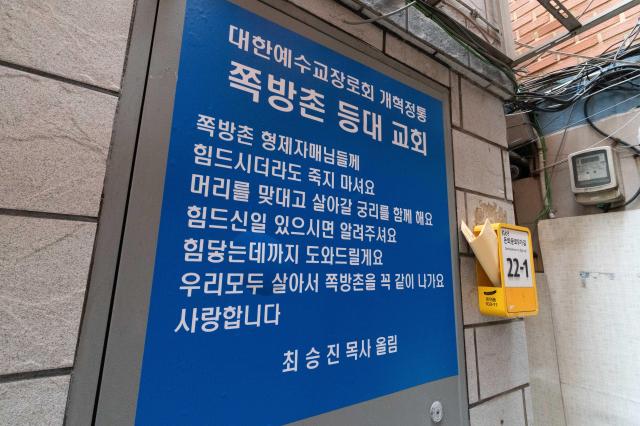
121	308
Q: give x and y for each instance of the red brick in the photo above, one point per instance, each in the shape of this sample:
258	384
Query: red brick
544	28
527	39
548	27
522	21
517	4
543	63
526	7
543	18
597	9
617	31
581	45
544	39
594	30
528	28
566	44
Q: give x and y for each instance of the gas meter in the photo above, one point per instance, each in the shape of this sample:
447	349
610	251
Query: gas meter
595	176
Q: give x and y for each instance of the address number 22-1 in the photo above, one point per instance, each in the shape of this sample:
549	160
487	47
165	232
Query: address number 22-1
515	268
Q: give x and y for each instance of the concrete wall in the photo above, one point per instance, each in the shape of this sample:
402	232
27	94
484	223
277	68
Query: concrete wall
560	144
548	404
593	275
60	68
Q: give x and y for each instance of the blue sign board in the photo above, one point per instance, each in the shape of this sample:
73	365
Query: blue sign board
303	259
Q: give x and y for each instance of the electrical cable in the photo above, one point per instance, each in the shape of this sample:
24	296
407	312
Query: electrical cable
584	119
455	30
601	132
629	39
575	55
573	123
545	179
616	69
460	33
585	10
381	17
608	207
630	200
564	139
626	123
558	90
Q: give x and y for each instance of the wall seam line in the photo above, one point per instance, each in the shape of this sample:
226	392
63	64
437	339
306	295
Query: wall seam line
47	215
504	177
490	323
36	374
60	78
475	348
498	395
476	136
524	406
482	194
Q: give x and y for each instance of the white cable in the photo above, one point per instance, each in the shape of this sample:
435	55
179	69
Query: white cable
564	138
633	77
575	55
623	45
594	114
544	188
636	115
585	10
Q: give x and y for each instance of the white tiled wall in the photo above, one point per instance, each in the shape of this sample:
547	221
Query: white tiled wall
592	272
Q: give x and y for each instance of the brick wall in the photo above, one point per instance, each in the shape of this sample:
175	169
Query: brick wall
60	66
533	25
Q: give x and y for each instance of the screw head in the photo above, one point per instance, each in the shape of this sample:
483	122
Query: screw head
436	412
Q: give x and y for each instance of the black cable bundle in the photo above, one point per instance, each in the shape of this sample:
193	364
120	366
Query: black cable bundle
617	69
560	89
585	107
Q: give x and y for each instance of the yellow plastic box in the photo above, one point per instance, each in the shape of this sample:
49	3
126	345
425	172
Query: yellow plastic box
517	295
